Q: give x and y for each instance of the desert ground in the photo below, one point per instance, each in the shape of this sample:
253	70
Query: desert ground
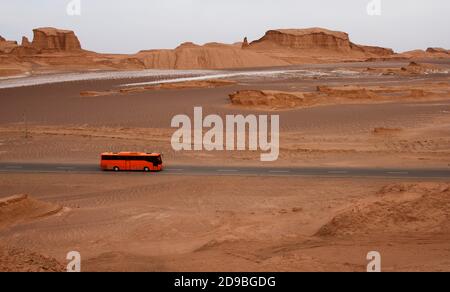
360	114
130	222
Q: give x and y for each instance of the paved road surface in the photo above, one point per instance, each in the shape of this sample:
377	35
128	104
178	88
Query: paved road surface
236	171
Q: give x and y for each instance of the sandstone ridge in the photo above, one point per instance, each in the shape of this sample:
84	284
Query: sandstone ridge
49	38
315	39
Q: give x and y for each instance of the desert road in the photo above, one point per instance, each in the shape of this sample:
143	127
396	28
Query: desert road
236	170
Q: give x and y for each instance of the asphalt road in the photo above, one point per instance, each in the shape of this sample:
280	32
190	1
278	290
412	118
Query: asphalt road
236	171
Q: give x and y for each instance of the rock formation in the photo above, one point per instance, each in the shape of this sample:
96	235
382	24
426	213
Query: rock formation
276	48
371	50
7	46
22	51
268	99
52	39
437	50
25	42
44	40
311	39
245	43
212	83
326	95
413	68
209	56
57	49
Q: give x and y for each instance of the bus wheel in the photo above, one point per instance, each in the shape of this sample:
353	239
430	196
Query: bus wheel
146	169
115	168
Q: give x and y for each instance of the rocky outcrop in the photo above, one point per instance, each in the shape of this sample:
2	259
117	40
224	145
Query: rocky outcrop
432	53
22	51
377	51
212	83
209	56
276	48
437	51
52	39
61	50
2	39
245	43
12	48
419	69
268	99
45	40
7	46
312	38
332	95
412	69
25	49
317	39
25	42
187	45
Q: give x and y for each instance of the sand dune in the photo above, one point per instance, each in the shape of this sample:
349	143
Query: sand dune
21	208
419	208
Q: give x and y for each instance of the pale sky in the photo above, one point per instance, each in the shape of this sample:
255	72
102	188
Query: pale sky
120	26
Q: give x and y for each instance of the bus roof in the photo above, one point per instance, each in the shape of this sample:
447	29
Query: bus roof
131	154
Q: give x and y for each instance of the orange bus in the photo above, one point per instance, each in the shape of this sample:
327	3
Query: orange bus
131	161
